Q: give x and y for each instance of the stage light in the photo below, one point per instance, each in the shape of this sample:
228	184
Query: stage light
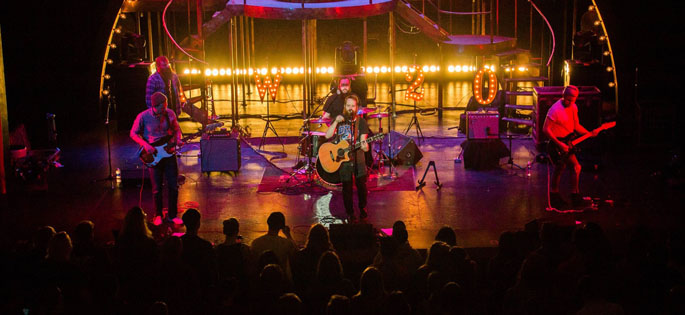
602	37
507	69
426	68
264	71
302	70
288	70
318	70
606	53
274	70
330	69
450	68
228	71
113	45
109	61
412	69
609	69
612	84
215	72
118	30
309	70
404	69
384	69
398	69
186	71
222	71
250	71
591	8
208	72
521	69
597	23
106	76
105	92
433	68
122	16
376	69
457	68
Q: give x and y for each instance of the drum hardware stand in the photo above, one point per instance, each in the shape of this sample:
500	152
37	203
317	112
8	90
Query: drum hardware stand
415	122
437	180
380	154
391	174
308	167
269	126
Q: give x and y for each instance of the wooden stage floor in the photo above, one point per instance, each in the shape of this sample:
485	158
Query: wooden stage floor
479	205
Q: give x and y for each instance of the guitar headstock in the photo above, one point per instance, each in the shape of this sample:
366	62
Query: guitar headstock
607	125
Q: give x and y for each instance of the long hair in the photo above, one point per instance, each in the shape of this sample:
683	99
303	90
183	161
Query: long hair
371	283
318	239
329	268
135	225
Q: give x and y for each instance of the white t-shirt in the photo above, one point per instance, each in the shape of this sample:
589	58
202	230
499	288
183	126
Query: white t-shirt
563	120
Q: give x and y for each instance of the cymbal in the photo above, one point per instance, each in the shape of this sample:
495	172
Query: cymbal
379	115
313	133
319	120
367	110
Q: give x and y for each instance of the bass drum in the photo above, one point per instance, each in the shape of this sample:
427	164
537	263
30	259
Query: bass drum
332	179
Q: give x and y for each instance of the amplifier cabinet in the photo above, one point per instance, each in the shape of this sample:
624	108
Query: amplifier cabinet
482	125
219	153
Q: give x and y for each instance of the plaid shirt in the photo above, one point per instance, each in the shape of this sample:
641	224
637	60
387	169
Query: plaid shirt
155	83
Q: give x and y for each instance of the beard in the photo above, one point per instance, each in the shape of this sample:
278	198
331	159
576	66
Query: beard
350	116
166	73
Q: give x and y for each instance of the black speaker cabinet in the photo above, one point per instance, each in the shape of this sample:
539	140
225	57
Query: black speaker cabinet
128	88
404	150
219	153
352	236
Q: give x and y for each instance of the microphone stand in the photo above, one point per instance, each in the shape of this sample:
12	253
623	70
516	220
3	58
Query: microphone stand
109	177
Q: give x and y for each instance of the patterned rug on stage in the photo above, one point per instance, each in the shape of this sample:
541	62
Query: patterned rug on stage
278	180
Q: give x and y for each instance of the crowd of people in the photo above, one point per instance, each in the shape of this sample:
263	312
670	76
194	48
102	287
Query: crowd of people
540	269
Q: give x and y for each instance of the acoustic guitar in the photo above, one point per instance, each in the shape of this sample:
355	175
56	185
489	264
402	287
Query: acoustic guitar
556	154
331	155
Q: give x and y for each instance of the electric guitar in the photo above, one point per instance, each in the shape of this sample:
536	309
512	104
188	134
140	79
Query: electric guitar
166	149
332	155
556	154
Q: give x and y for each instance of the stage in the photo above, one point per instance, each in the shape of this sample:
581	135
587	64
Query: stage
478	204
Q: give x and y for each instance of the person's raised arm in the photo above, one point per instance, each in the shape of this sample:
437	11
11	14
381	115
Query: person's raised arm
331	129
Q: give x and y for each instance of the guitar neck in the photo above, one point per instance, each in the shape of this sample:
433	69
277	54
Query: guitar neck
581	138
359	143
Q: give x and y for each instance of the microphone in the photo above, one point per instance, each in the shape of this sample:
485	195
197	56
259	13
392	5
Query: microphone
360	112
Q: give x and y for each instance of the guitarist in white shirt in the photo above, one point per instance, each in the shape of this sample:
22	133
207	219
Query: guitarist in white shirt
352	127
154	127
562	121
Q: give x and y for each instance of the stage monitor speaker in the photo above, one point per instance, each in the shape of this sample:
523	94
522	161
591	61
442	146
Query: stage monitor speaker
482	125
352	236
404	150
129	91
219	153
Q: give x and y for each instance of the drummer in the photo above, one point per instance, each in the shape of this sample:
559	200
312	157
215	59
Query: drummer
336	103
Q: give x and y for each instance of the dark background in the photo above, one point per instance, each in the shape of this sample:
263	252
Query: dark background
53	52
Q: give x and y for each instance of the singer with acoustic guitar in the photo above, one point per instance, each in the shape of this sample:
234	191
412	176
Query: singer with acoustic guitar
352	128
157	129
562	122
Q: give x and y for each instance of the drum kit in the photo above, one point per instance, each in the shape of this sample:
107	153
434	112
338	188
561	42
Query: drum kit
311	141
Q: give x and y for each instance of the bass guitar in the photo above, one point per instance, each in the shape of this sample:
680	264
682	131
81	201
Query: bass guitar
166	149
332	155
556	154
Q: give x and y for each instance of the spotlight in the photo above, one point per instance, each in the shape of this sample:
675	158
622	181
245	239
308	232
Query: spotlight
376	69
609	69
105	92
404	68
215	72
250	71
186	71
398	69
288	70
597	23
450	68
457	68
426	68
222	71
264	71
109	61
122	16
602	37
113	45
106	76
330	69
612	84
433	68
384	69
274	70
606	53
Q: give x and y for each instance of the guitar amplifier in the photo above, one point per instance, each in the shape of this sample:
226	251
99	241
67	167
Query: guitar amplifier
219	153
482	125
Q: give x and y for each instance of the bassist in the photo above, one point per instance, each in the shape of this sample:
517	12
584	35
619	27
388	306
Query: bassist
352	128
151	128
562	121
